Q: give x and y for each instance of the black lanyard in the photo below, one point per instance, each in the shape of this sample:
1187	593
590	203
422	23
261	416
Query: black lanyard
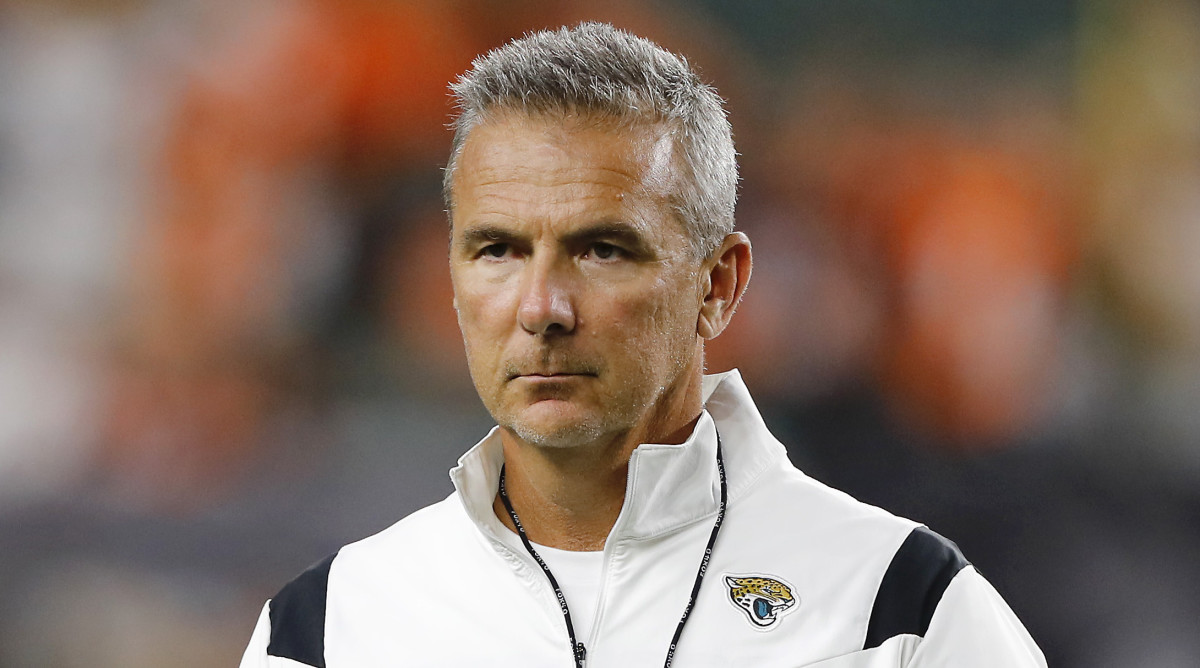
577	648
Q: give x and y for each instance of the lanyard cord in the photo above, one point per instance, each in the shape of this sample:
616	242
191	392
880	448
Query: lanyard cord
577	648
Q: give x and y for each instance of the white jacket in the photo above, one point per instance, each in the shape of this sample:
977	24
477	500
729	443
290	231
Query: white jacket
800	575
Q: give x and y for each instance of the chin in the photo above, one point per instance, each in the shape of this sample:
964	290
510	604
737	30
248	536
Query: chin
559	437
559	424
558	434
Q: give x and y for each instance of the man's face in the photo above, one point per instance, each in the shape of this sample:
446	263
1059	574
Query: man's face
576	287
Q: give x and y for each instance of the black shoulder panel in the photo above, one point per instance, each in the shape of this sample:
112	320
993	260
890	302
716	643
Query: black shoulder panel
912	586
298	617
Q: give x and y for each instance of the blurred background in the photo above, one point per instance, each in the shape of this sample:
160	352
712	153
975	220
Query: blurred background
227	345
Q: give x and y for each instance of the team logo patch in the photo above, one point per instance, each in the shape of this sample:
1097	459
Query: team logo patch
764	599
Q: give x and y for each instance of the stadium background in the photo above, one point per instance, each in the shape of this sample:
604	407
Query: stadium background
227	346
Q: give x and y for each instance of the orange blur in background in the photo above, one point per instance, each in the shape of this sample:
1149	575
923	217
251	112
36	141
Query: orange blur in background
227	345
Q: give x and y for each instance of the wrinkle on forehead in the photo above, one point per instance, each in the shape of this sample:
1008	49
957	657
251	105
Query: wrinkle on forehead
661	173
536	176
570	160
654	141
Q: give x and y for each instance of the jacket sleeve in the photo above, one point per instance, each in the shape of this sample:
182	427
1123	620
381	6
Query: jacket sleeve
973	626
932	593
256	651
291	628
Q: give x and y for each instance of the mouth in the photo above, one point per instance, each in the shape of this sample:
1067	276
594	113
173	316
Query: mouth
547	368
551	375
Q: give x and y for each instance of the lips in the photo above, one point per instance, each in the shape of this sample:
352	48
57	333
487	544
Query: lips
549	369
551	374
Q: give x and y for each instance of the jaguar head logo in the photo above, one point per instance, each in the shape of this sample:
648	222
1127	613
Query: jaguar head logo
763	599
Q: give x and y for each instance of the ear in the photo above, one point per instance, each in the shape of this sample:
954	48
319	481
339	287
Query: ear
726	275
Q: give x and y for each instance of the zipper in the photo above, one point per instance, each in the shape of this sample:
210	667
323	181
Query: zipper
598	617
610	548
520	559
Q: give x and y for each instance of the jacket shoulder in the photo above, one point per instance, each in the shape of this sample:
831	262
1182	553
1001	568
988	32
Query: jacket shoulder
919	573
298	611
882	575
423	531
911	564
297	615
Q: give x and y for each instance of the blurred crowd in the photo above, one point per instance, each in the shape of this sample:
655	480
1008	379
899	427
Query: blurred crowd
227	345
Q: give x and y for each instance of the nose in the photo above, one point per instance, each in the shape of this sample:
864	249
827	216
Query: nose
546	307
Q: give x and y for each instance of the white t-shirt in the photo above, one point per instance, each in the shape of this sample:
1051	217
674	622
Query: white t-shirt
578	575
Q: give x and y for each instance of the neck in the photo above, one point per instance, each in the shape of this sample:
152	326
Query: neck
570	498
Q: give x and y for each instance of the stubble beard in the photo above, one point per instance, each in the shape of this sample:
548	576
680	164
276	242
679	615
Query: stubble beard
571	436
609	422
617	415
605	422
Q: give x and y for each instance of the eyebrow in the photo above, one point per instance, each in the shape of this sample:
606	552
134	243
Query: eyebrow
479	234
624	233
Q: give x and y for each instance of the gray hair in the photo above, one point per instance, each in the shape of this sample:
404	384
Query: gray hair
596	69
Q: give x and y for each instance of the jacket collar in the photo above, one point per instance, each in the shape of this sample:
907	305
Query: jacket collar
669	486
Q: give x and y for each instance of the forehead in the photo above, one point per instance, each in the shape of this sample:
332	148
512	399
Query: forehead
562	159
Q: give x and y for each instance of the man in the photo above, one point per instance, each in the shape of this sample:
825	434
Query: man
628	510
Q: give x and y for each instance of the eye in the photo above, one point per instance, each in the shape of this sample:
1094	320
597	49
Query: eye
604	251
495	251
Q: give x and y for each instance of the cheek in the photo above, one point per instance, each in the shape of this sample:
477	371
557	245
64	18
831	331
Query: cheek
479	319
658	324
674	305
